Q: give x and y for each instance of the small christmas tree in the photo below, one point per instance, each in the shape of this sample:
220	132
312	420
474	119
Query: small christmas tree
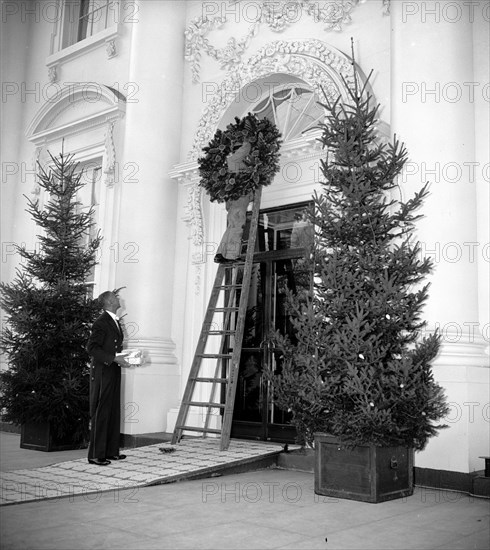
358	368
49	312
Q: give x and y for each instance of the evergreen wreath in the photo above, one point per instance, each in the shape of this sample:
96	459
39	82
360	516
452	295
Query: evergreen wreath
261	163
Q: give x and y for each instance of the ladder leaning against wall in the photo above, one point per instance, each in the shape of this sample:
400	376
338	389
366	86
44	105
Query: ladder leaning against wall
231	280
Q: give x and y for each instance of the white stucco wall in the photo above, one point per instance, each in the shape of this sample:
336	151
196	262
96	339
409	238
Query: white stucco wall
432	59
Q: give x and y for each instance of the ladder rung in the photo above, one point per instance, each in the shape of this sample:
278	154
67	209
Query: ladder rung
231	308
206	404
220	332
196	429
215	355
217	380
237	285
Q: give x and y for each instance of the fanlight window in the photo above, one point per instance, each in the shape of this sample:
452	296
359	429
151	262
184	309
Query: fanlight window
293	109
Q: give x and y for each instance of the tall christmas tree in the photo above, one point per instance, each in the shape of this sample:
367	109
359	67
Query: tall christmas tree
359	368
49	312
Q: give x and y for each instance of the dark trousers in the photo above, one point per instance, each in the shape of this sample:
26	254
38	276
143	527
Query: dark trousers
105	410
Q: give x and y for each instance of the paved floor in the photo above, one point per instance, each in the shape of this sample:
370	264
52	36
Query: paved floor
148	465
270	508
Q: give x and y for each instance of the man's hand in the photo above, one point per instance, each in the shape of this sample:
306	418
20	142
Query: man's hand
121	361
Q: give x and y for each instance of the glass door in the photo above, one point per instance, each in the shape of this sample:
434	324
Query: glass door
283	241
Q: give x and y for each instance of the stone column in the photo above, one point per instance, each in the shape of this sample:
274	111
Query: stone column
433	102
147	223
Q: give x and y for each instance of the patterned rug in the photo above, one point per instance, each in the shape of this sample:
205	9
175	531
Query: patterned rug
150	465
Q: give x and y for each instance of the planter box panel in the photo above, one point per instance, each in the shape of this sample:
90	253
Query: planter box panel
345	477
302	460
367	473
35	436
357	456
403	467
40	437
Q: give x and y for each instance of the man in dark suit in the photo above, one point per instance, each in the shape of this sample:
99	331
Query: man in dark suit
105	342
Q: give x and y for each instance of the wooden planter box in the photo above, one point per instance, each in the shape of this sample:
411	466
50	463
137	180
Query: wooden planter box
366	473
301	460
40	437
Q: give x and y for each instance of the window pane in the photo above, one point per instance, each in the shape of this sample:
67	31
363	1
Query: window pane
293	109
85	18
88	197
286	229
282	229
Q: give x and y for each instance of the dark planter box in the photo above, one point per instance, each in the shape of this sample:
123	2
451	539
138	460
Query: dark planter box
301	460
366	473
40	437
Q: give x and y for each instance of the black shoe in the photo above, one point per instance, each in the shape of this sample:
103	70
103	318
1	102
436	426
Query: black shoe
220	259
99	461
167	449
117	457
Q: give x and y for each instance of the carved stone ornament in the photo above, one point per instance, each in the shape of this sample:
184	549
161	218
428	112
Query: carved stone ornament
110	48
193	214
36	190
312	61
276	15
53	73
110	155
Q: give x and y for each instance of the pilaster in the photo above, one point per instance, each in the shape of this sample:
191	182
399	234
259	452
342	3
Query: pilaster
433	100
149	210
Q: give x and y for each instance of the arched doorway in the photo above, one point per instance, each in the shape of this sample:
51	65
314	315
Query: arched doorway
284	237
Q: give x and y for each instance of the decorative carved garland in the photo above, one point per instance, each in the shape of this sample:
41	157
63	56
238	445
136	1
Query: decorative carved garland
316	63
313	61
276	15
258	164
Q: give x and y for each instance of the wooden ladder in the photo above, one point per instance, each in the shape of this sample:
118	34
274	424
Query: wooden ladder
225	376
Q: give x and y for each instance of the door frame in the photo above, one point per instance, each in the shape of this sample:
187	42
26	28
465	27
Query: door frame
265	430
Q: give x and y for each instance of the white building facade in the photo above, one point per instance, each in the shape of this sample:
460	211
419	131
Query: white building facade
135	89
